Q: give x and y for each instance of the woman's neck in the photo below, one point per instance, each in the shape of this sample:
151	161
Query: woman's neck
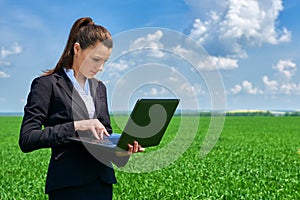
80	79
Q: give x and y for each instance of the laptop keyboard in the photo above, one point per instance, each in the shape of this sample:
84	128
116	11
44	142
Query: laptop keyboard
113	140
107	141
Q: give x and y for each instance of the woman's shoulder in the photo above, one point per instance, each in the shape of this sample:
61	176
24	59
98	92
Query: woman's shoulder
50	77
44	80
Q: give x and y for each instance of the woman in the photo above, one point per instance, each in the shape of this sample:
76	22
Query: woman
67	101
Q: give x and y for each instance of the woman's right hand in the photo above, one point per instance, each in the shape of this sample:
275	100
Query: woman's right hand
94	125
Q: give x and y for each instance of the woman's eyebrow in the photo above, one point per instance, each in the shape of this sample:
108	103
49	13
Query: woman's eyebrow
100	57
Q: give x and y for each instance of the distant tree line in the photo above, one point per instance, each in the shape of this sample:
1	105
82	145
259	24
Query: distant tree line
266	113
259	113
208	114
297	113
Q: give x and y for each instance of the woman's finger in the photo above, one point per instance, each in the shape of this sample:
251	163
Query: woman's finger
101	134
130	148
102	130
105	132
136	146
94	131
141	149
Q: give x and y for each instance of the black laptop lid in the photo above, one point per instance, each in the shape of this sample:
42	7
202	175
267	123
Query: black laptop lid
148	122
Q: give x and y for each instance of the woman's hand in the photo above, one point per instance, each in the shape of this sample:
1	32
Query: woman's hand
94	125
135	148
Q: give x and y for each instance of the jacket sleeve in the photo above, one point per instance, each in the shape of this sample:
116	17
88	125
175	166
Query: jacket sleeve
33	134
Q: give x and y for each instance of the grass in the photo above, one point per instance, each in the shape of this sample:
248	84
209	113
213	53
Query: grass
22	176
255	158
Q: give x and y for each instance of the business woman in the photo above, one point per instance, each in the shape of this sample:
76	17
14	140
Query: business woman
68	101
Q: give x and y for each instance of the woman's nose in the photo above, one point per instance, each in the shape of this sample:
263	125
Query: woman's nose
100	67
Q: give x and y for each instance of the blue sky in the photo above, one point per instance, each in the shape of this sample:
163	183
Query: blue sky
254	44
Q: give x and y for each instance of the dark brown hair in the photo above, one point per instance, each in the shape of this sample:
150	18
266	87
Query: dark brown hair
87	34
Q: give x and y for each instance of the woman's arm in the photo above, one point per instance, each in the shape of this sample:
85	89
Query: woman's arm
32	134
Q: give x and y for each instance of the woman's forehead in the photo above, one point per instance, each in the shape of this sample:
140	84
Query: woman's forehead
100	50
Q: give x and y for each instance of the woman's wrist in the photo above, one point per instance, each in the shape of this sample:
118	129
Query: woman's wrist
76	125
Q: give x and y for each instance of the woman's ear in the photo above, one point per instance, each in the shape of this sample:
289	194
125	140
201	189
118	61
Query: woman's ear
76	48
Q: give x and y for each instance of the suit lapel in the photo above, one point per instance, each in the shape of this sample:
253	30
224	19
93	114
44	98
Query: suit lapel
78	106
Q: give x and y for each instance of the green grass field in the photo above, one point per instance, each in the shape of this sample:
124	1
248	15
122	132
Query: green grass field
255	158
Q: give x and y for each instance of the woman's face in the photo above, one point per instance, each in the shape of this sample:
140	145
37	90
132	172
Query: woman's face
89	61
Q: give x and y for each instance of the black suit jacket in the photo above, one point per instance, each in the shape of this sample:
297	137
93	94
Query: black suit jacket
52	107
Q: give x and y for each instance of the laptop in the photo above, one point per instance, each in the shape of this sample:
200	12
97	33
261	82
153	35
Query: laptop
147	124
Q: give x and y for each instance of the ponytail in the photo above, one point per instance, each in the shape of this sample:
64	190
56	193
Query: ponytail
87	34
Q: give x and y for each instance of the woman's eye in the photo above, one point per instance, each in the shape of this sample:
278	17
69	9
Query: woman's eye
96	59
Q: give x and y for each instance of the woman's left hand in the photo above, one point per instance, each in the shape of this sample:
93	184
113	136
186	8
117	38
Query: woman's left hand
135	148
132	148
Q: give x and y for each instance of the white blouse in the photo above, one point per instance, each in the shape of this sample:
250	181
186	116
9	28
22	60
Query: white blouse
84	93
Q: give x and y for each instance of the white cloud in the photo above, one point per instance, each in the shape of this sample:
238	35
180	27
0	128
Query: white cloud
15	49
155	92
214	62
224	63
209	63
271	85
237	89
290	88
200	30
286	68
117	68
234	24
151	41
4	75
200	9
284	84
254	21
187	90
245	87
120	66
